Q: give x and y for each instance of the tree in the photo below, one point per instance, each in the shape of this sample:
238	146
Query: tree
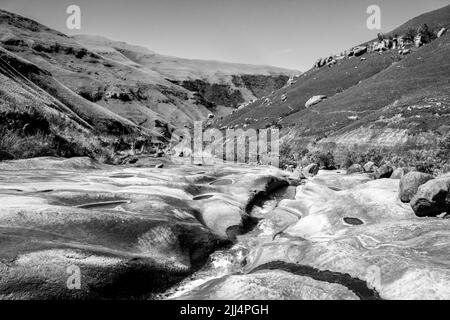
425	32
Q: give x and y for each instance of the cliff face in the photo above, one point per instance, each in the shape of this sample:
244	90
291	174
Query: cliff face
231	95
260	85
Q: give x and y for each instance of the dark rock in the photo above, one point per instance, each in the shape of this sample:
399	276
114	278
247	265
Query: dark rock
353	221
432	198
311	170
359	51
383	172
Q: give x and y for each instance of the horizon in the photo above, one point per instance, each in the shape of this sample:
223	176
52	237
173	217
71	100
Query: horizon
272	37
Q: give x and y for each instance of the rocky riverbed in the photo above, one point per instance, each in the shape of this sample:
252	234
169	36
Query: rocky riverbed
200	232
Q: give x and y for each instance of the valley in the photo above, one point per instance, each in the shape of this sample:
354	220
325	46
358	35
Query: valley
105	196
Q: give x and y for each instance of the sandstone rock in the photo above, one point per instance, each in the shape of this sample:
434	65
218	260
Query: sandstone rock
388	249
355	168
129	231
311	170
315	100
269	285
398	173
432	198
441	32
410	183
405	51
385	171
370	167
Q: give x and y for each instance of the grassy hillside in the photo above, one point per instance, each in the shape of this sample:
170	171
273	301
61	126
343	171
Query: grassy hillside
96	97
379	99
216	84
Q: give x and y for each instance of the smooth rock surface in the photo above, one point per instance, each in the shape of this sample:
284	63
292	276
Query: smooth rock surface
130	232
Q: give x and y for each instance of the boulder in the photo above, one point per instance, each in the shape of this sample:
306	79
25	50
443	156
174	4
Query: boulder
410	183
383	172
314	100
398	173
297	175
159	166
432	198
370	167
441	32
355	168
359	51
311	170
405	52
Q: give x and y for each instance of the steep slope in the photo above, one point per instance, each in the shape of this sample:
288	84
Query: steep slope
145	98
436	20
217	84
378	99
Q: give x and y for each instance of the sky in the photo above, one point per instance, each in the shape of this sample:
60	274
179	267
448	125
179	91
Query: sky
285	33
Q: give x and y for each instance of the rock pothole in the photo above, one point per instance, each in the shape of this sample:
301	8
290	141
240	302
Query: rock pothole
353	221
203	197
222	182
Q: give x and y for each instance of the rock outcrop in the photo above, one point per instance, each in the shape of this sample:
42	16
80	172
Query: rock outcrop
360	238
441	32
126	231
315	100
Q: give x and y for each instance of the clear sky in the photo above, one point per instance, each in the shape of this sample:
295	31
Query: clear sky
285	33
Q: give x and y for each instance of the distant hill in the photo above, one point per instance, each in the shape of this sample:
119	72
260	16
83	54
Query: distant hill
216	83
377	99
104	87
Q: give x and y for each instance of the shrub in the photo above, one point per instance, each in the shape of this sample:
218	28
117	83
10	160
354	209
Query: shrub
286	156
325	159
410	34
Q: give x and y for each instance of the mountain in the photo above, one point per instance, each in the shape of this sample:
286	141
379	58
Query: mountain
390	98
105	88
218	84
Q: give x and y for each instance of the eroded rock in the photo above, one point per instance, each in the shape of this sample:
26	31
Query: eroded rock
432	198
410	183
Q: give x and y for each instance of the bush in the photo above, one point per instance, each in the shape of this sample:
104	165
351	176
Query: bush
286	156
410	34
323	159
377	156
